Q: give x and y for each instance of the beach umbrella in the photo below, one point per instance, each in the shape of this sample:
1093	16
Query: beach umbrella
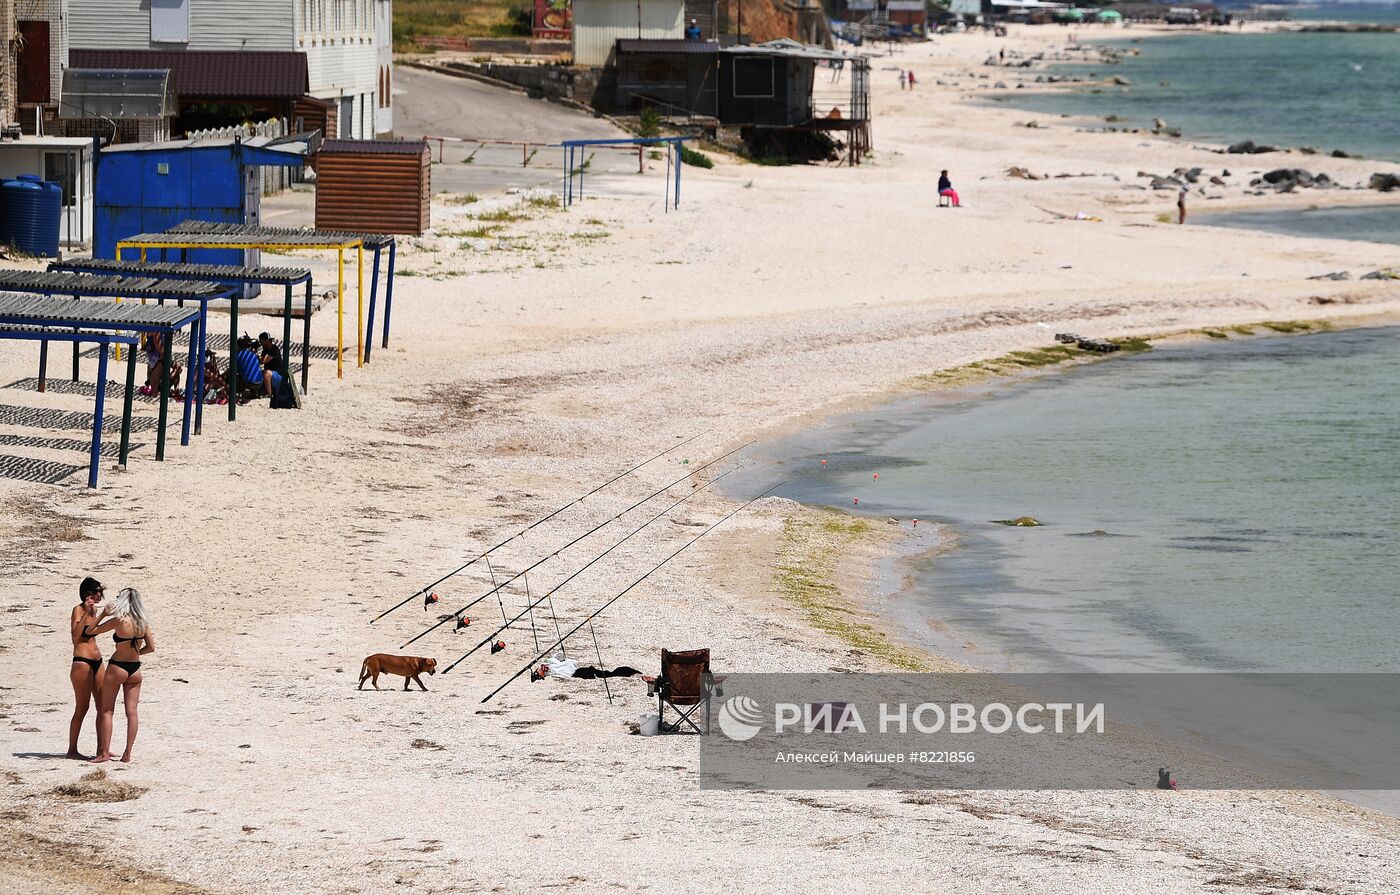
1071	15
1110	15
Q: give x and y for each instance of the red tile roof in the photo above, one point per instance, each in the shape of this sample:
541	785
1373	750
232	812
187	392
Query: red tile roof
224	74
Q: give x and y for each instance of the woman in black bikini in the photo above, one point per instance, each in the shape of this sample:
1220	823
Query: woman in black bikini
86	670
131	631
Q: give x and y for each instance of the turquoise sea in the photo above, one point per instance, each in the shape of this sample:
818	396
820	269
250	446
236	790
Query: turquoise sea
1329	91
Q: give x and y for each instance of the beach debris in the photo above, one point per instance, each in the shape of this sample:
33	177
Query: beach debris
1022	173
1019	522
1385	182
1165	779
1217	181
1166	183
427	744
1389	273
98	787
1334	275
1249	147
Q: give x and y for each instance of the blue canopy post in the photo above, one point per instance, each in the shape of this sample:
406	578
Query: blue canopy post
389	291
97	410
190	382
373	295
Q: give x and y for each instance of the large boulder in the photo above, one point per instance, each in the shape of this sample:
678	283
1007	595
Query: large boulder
1166	183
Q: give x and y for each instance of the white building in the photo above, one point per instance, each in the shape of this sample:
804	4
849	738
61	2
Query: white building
598	24
347	43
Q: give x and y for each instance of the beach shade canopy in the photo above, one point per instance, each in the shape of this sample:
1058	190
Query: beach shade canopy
1071	15
1109	15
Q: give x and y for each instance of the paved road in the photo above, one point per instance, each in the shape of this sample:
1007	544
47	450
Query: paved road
431	104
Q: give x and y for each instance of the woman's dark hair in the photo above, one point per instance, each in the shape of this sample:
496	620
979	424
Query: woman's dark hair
89	587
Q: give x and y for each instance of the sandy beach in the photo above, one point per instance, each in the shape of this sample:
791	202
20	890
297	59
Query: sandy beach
541	357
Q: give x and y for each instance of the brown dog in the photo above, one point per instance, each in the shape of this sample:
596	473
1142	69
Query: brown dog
407	666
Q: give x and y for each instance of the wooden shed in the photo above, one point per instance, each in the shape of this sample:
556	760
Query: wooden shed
373	186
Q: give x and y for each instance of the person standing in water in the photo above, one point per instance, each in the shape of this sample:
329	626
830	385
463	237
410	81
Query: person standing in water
131	631
86	671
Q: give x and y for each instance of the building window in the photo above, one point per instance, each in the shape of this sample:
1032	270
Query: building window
62	168
753	77
170	21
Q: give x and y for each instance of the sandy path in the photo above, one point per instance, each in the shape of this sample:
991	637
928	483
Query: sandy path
547	357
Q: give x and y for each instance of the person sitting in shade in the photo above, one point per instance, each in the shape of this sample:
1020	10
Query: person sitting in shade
250	370
945	188
692	31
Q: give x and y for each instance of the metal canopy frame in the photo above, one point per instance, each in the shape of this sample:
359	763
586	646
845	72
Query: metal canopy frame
44	335
94	318
225	274
207	235
573	150
106	285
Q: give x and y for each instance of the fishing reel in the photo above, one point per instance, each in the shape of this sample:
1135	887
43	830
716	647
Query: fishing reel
462	622
497	646
429	600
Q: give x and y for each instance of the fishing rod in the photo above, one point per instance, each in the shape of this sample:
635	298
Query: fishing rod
595	613
459	569
445	619
550	593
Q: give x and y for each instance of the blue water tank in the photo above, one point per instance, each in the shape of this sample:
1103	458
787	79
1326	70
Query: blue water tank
33	210
4	212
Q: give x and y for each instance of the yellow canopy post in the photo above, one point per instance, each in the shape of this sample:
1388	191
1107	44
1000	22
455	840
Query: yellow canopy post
360	309
340	314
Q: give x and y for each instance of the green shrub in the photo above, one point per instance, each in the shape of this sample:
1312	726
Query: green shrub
695	157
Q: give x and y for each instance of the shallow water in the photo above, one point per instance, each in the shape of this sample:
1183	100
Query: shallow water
1249	491
1373	224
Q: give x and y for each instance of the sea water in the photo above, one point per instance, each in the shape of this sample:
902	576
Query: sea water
1324	90
1370	223
1228	506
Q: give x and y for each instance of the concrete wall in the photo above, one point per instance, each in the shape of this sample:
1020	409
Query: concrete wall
599	23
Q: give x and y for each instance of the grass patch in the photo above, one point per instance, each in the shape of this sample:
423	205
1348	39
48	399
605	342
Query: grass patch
810	550
457	18
1288	326
772	161
468	199
482	232
590	235
502	216
543	202
594	222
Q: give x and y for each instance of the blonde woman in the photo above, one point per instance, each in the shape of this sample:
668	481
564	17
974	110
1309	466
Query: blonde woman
86	672
131	631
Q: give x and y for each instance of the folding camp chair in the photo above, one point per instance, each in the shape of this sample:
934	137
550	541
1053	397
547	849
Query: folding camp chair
686	684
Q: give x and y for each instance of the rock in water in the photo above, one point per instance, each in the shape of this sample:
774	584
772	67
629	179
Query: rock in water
1019	522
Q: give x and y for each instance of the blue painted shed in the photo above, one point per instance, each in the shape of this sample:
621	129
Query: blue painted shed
150	187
